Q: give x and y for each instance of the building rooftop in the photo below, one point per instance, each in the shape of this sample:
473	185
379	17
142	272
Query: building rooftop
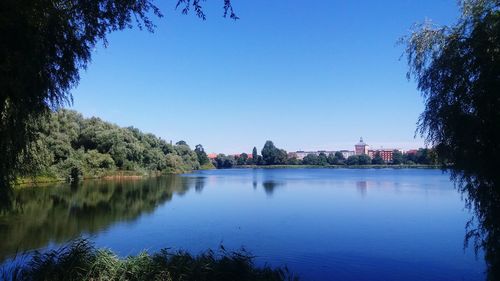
361	142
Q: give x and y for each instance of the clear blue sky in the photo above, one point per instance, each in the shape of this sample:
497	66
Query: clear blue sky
306	74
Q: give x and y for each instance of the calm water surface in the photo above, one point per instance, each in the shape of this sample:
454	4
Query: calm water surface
325	224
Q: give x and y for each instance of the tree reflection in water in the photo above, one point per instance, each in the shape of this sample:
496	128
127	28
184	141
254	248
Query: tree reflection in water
56	214
483	230
270	185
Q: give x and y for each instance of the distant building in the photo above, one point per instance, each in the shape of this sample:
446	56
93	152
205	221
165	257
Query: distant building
361	147
386	154
301	154
412	151
347	153
249	155
212	155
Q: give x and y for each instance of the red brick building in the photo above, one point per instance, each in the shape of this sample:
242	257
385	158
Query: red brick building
361	147
386	154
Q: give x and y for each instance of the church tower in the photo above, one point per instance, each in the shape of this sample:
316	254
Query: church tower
361	147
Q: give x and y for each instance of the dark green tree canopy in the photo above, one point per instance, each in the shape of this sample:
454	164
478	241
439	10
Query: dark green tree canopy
69	146
254	153
223	162
457	69
201	154
339	155
311	159
273	155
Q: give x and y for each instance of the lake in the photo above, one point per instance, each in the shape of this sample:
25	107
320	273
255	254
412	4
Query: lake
324	224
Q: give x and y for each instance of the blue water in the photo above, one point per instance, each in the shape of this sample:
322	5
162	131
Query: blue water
324	224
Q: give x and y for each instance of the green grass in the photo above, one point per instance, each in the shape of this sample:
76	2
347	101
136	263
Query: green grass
36	179
112	174
81	261
207	166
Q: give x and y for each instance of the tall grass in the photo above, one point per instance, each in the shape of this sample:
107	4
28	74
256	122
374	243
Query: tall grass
80	260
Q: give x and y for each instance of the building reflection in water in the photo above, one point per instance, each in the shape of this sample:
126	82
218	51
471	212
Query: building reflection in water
362	187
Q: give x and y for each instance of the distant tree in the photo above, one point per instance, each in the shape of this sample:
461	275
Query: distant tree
229	162
336	159
242	159
268	152
426	156
331	159
272	155
250	161
282	157
322	159
377	159
181	142
260	160
397	157
219	161
364	159
254	153
339	156
292	161
352	160
201	154
410	158
225	162
311	159
66	141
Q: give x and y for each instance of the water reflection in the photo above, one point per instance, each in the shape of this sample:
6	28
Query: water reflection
270	185
225	201
199	184
483	230
362	187
56	214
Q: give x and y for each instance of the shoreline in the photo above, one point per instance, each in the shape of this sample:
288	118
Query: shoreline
337	167
116	175
137	175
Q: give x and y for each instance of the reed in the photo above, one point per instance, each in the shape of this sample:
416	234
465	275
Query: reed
80	260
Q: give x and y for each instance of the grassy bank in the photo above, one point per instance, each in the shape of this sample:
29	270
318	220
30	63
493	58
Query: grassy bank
340	166
81	261
105	175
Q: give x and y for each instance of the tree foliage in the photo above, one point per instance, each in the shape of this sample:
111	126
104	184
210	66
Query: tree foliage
242	159
69	146
377	159
273	155
359	160
397	157
254	153
457	69
310	159
43	46
224	162
202	155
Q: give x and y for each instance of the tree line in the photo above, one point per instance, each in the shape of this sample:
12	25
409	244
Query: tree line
71	147
271	155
